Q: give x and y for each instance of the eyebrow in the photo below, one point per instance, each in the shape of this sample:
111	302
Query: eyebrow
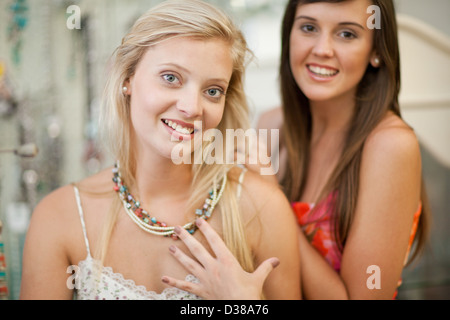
174	65
340	23
224	81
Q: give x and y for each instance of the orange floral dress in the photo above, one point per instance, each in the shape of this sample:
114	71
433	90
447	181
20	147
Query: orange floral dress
318	228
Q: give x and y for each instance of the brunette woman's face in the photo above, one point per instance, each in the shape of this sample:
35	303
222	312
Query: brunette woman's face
330	48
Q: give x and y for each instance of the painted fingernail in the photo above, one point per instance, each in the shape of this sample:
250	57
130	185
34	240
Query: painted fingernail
172	249
177	230
165	280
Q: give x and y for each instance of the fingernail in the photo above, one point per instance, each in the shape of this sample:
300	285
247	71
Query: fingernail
165	280
199	221
172	249
275	263
177	230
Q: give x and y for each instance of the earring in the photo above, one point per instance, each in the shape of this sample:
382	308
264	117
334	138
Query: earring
376	61
124	90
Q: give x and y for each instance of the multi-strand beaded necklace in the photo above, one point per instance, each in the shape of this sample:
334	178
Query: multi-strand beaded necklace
150	224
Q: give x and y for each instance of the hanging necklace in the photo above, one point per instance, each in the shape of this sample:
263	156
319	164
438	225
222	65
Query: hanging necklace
150	224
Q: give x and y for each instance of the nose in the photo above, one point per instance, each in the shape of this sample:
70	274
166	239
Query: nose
189	103
324	46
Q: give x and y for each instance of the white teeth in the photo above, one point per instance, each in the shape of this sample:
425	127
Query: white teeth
178	127
322	71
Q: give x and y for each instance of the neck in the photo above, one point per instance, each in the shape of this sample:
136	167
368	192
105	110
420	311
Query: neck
331	117
159	178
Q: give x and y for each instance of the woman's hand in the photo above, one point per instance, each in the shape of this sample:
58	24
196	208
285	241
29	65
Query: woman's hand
221	278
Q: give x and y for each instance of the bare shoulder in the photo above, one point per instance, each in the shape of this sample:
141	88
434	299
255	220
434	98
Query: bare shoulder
271	119
55	207
392	139
254	185
62	202
56	216
260	197
391	165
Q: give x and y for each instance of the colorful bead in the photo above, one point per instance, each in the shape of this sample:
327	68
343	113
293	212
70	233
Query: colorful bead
133	207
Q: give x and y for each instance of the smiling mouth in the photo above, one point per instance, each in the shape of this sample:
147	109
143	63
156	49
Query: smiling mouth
322	72
187	130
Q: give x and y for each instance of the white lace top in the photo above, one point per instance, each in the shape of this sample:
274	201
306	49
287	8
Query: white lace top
96	282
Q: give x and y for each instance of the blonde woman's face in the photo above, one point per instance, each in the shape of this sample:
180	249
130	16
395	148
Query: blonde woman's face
331	48
178	91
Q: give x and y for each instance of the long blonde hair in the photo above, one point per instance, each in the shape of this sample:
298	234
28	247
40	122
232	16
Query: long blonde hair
178	18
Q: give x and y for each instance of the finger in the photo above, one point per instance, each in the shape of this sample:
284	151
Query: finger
189	264
185	286
194	246
265	268
215	241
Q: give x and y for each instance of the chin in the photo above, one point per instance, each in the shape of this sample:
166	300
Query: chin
318	96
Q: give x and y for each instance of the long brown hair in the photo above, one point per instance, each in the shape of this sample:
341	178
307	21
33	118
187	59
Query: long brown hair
376	95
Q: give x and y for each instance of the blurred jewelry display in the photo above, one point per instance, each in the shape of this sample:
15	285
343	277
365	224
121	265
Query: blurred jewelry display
18	22
3	282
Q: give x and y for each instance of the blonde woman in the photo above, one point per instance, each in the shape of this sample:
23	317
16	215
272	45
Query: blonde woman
177	74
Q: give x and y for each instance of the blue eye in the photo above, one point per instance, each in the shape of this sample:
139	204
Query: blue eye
214	93
170	78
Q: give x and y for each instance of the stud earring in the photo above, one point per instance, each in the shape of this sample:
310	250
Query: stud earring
376	61
124	89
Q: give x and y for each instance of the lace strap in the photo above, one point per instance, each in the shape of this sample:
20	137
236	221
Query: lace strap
83	225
